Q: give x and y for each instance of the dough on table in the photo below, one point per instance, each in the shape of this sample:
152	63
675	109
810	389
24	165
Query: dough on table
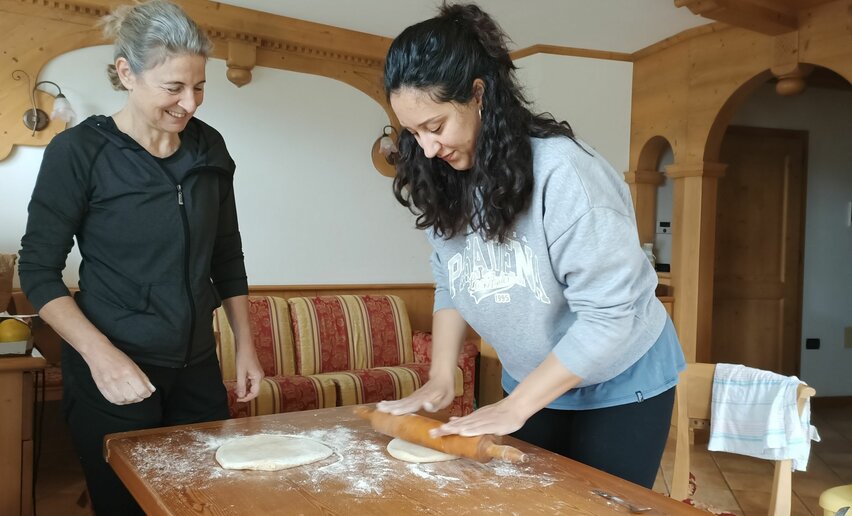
269	452
410	452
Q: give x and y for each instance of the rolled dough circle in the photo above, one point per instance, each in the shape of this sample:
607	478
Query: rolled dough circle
269	452
410	452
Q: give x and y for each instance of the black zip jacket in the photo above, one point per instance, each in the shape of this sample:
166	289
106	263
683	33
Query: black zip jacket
158	237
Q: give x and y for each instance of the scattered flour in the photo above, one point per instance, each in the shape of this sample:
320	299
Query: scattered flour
360	467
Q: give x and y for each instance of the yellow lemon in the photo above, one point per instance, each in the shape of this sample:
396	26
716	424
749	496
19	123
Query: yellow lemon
12	330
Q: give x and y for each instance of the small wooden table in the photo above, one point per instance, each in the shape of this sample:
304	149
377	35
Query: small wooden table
16	432
174	471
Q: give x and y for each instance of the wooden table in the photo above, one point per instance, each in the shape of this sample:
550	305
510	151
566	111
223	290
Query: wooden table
16	432
174	471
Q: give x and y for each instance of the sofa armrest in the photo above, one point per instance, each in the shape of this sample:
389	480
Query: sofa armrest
421	342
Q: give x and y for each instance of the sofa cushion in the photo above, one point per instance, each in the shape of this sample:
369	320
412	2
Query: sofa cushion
382	383
344	333
269	318
286	393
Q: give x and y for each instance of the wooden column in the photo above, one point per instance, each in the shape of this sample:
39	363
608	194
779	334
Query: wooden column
693	253
643	188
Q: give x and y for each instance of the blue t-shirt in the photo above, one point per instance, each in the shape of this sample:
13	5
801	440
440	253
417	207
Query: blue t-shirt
650	376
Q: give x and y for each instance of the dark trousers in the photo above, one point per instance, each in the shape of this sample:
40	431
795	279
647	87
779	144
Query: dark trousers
187	395
626	441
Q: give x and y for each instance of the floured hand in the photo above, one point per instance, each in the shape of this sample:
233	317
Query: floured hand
432	397
497	419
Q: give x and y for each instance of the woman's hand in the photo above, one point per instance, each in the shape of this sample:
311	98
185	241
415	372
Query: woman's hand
118	377
249	372
432	396
501	418
547	382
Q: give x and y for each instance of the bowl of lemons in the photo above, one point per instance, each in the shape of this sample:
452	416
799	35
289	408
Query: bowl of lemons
16	336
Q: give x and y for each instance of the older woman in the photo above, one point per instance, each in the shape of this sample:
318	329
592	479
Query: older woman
148	194
535	246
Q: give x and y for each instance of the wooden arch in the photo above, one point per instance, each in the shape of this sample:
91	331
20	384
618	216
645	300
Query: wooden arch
643	182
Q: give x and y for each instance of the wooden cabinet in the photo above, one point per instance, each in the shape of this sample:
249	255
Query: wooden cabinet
16	433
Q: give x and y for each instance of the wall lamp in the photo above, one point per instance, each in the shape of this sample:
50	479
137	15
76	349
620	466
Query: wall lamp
35	118
387	144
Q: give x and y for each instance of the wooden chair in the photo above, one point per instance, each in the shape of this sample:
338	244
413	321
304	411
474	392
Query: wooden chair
693	397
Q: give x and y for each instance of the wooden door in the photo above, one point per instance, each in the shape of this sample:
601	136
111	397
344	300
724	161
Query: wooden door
759	246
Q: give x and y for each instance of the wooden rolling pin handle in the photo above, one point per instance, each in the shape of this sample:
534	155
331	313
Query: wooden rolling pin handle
508	453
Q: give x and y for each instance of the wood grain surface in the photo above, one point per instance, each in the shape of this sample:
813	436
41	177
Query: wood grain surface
173	471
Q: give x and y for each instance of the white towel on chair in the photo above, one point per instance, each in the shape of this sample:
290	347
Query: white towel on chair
754	413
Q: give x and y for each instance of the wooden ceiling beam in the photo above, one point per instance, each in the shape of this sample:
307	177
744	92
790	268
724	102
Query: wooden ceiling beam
763	17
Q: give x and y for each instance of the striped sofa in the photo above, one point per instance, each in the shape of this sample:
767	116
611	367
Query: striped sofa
333	351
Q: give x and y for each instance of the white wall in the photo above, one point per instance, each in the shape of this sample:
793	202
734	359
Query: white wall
593	95
312	208
827	294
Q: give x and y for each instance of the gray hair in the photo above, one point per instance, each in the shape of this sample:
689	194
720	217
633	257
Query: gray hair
148	33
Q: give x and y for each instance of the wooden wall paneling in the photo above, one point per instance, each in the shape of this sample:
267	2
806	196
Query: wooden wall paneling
825	38
28	44
686	89
721	64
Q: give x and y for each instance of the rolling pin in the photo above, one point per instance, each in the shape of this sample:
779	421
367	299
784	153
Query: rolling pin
415	429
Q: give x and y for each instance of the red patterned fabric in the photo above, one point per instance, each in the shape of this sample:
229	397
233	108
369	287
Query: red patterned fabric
464	404
421	341
269	324
383	331
349	332
332	335
260	321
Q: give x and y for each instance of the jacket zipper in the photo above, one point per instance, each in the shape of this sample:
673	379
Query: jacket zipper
186	279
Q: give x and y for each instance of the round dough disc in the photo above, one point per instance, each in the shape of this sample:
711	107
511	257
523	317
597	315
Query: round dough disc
268	452
410	452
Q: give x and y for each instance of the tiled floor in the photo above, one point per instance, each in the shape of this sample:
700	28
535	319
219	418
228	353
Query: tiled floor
741	485
725	482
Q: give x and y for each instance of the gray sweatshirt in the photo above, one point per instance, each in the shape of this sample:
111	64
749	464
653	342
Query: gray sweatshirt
570	279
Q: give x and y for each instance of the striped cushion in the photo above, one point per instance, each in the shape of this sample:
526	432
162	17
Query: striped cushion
382	383
342	333
270	330
284	394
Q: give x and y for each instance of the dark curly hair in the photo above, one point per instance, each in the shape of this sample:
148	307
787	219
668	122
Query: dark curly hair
442	57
